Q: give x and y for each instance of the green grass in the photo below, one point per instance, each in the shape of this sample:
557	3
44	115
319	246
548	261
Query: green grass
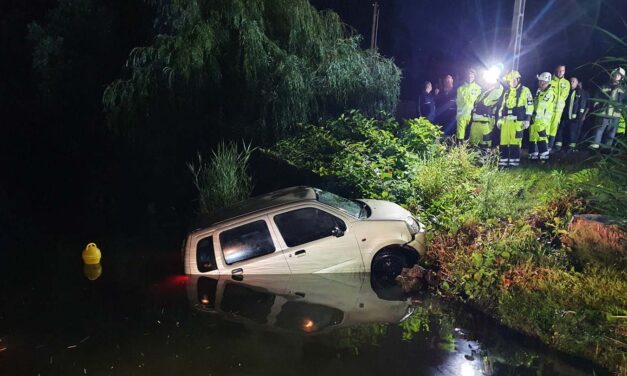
224	180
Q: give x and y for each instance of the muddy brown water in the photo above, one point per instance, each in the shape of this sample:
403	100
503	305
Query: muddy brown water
138	315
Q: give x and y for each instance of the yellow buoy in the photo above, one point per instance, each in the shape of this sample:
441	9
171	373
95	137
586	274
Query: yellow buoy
91	254
92	271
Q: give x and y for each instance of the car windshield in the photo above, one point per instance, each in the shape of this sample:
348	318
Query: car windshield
352	207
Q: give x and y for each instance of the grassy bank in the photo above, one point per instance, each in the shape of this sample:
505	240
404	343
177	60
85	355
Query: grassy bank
499	239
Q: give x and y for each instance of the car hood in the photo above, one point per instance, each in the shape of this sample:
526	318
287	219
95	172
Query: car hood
385	210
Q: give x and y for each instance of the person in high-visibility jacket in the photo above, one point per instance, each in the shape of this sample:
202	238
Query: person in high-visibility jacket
544	105
608	114
514	117
483	116
467	94
561	87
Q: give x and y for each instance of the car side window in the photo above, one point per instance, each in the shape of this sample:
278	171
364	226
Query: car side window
205	257
246	242
302	226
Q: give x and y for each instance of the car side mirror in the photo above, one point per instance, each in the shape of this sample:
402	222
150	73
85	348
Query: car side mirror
337	232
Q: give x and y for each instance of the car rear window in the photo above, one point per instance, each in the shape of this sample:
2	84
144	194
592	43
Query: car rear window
245	242
205	257
302	226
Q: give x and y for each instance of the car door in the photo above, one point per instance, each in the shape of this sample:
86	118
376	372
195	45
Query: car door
317	241
250	248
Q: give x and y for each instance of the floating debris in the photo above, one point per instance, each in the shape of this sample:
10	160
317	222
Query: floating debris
72	346
2	349
84	339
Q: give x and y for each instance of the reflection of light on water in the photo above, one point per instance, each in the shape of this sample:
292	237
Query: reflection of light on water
467	369
308	325
205	299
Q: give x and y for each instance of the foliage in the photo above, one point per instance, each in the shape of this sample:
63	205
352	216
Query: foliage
78	48
416	323
224	180
609	192
253	68
362	154
577	312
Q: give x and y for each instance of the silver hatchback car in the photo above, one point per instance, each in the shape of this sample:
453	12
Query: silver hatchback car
301	230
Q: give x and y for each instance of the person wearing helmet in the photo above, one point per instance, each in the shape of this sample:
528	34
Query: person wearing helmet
515	115
609	114
561	87
544	105
483	116
467	94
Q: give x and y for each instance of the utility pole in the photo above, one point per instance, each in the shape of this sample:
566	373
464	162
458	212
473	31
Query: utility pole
517	32
375	26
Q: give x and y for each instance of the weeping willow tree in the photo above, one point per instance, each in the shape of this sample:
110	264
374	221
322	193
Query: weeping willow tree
248	68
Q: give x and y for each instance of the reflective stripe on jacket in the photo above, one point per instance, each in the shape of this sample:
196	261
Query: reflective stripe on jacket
517	101
561	87
544	105
576	105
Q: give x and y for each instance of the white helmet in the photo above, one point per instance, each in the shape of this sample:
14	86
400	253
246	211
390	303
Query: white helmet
544	76
619	70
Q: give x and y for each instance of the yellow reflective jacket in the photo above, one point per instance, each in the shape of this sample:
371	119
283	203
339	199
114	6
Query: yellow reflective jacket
487	103
466	96
561	87
517	101
544	105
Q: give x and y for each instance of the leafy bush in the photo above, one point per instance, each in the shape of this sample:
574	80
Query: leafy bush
223	180
364	155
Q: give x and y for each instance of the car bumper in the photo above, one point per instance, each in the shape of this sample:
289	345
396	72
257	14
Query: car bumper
419	243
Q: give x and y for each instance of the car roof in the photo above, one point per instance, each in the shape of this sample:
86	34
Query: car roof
257	204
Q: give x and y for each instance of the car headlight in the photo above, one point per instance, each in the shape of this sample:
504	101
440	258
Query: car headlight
412	225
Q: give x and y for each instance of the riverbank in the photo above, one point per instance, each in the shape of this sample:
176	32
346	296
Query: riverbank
499	239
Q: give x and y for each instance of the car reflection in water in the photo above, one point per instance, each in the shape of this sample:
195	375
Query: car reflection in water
308	304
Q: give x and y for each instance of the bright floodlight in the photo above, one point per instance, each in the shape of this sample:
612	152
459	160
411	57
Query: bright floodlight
491	75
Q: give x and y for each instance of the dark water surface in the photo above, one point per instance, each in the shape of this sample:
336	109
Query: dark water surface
139	316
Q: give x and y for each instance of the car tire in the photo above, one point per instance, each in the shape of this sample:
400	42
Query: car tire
387	266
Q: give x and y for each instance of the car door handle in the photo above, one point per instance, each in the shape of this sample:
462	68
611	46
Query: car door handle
301	252
237	271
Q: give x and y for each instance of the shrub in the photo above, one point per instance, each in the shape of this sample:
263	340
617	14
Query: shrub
224	180
362	154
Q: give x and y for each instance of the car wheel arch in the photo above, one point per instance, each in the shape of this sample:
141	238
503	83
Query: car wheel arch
409	255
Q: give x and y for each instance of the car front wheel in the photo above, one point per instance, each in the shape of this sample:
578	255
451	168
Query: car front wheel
388	265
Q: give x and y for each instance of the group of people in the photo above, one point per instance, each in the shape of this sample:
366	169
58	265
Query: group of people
553	117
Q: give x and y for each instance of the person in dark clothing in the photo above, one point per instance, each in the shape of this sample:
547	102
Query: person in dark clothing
426	103
446	108
573	116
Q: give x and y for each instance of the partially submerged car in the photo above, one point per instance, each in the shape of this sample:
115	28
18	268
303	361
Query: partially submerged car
302	230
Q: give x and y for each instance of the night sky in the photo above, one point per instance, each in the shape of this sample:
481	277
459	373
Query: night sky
429	38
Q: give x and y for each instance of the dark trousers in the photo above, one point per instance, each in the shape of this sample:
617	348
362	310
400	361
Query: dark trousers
509	155
568	131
